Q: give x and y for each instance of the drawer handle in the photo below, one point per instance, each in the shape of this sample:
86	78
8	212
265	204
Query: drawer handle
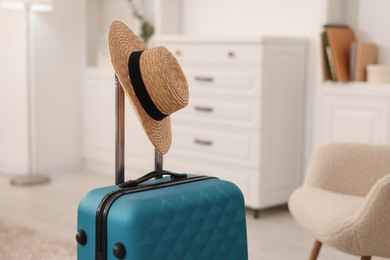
204	79
231	54
204	109
178	53
203	142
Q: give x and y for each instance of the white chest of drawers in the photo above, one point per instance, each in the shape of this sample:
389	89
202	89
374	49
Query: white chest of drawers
244	122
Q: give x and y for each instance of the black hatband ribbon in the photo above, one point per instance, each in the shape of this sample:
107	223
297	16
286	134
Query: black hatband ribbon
140	89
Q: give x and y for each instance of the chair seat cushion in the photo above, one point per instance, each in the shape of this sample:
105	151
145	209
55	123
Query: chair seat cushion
326	215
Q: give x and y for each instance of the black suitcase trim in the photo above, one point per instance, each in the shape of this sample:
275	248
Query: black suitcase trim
109	199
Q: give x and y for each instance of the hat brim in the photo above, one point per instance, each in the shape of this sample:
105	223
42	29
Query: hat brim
122	42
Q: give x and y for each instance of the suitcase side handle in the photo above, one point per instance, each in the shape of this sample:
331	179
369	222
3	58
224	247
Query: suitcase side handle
120	137
151	175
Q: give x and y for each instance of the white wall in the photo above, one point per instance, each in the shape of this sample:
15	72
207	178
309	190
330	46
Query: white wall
58	69
57	63
277	17
13	136
373	26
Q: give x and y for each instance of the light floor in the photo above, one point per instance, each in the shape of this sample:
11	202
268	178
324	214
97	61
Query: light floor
52	209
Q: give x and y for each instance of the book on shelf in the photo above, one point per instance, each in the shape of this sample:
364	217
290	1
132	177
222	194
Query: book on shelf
327	58
336	43
334	25
362	54
324	57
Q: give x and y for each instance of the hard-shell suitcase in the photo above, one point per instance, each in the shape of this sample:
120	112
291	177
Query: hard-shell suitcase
181	216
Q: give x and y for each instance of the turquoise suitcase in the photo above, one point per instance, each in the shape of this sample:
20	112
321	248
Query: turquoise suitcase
162	215
193	217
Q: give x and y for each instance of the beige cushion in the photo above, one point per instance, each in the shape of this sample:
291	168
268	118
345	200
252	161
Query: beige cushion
322	213
326	215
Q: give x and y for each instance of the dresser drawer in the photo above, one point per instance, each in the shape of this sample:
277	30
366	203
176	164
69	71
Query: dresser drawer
242	81
234	53
236	147
239	113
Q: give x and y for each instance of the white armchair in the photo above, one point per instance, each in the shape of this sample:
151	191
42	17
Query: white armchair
345	199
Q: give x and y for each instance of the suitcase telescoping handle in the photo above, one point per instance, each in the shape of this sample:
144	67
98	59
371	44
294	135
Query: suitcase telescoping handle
120	137
119	133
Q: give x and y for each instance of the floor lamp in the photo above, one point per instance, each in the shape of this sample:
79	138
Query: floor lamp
29	6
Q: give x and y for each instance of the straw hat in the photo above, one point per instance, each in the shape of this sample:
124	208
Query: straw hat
152	80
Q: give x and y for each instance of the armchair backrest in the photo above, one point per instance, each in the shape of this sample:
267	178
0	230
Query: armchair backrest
348	168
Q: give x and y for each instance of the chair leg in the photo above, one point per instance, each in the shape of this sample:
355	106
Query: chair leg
366	258
316	250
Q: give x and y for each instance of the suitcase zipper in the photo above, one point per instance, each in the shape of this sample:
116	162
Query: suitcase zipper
108	200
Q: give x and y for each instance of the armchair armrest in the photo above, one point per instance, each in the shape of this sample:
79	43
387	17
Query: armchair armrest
348	168
372	220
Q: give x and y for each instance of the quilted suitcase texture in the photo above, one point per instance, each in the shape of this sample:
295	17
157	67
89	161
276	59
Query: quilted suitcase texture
194	218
